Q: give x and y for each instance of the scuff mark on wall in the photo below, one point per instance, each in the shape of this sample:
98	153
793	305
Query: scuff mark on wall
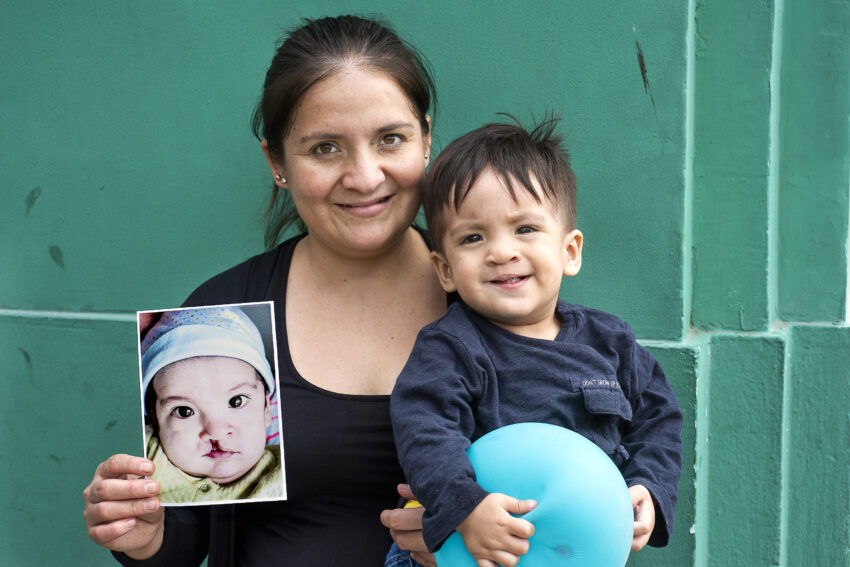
28	360
58	257
32	197
642	65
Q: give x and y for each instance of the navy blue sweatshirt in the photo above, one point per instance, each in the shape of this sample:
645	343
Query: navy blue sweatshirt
467	377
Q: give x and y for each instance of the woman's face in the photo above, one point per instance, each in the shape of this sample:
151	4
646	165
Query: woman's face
354	162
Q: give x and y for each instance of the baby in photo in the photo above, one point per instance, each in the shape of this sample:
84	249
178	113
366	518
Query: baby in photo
207	389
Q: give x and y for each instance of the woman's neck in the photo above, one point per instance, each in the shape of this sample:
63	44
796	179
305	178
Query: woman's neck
331	270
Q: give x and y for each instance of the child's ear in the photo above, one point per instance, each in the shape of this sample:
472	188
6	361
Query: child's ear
444	272
572	252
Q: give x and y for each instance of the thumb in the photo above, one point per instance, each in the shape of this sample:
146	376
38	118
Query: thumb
520	507
405	492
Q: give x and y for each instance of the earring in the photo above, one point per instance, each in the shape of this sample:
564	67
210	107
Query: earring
280	178
427	156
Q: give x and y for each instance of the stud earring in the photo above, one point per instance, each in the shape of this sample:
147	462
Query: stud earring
280	178
427	156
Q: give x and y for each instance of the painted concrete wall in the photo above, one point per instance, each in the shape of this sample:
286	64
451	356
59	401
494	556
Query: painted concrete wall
710	141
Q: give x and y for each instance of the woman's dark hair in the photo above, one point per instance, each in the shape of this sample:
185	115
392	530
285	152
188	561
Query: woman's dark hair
310	54
514	154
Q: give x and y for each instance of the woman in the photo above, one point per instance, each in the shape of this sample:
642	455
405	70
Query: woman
344	125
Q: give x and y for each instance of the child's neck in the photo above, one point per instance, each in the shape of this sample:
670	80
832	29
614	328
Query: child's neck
546	329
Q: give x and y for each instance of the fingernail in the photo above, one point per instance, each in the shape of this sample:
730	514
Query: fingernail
146	468
129	523
150	505
151	488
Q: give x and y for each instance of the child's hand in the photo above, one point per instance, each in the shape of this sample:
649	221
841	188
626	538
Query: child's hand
492	535
644	510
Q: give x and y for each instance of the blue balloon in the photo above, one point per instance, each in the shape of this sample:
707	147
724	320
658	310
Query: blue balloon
584	512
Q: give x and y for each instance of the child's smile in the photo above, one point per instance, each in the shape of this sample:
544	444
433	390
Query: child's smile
506	257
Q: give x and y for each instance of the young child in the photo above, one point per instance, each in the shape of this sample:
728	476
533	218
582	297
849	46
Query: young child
206	384
501	205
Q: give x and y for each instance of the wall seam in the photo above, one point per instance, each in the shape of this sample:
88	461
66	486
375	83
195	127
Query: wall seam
688	174
847	251
68	315
773	180
774	140
700	528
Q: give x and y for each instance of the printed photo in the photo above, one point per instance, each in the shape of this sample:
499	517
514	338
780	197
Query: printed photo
209	396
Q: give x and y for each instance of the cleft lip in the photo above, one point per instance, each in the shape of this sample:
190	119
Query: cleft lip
218	452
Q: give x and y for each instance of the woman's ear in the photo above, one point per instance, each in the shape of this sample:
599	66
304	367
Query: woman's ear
572	252
444	272
276	168
427	139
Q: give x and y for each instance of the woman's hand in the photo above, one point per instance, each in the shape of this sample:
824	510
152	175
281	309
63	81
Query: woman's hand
122	512
644	511
405	526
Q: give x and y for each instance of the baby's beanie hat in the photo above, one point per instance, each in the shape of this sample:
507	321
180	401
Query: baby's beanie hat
203	331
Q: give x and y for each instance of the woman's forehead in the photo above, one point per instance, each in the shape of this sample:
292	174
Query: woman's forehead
350	101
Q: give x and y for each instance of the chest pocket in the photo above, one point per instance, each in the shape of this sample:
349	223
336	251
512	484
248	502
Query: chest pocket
607	411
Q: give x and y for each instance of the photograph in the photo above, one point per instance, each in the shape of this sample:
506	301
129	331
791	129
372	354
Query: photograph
209	404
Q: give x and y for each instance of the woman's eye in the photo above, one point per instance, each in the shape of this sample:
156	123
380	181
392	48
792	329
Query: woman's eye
470	238
325	149
238	401
391	140
182	412
526	229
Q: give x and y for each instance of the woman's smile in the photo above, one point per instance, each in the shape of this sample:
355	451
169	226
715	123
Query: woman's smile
365	209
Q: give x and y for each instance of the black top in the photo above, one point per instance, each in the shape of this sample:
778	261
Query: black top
339	454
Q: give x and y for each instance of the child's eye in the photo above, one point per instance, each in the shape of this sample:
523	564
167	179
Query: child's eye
182	412
237	401
391	140
525	229
470	238
324	149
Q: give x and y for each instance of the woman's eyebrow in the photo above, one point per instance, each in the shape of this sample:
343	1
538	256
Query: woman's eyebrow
319	136
395	126
332	135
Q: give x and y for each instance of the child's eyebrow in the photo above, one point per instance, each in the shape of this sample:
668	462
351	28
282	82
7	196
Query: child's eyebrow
246	384
171	399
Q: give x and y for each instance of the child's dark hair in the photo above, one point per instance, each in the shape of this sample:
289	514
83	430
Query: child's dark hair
512	153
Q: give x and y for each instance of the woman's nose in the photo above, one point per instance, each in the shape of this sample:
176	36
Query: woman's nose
365	171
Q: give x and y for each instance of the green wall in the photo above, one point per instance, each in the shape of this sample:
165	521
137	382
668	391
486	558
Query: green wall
713	195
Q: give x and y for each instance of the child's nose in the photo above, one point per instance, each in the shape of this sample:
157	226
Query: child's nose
502	250
216	427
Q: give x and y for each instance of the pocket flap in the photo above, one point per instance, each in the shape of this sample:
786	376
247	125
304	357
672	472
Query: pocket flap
605	397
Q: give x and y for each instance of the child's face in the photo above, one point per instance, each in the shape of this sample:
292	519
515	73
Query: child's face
212	413
506	258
